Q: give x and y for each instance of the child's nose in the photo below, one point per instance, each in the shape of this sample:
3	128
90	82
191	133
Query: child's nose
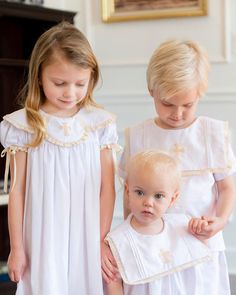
68	92
177	112
148	201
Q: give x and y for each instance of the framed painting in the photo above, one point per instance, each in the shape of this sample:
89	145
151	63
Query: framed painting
125	10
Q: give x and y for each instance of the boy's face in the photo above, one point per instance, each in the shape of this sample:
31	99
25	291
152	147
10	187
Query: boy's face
178	111
150	193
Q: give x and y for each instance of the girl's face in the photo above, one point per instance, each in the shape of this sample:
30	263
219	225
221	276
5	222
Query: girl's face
64	85
178	111
150	194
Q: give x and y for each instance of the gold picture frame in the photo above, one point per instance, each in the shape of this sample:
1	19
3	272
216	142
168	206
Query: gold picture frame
126	10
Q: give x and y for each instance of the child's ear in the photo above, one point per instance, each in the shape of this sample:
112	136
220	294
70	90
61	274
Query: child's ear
126	194
126	188
150	91
174	198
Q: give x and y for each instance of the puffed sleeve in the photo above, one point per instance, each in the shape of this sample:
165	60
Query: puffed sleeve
108	137
13	140
12	136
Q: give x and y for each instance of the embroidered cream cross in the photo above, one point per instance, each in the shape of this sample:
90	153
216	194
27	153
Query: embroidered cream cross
66	128
166	256
178	149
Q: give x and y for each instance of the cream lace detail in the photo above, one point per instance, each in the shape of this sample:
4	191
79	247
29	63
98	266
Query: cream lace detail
115	147
11	151
66	130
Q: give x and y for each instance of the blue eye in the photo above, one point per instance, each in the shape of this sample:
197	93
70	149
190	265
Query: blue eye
139	193
159	196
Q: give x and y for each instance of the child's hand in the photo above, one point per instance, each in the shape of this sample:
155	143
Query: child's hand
205	227
109	266
16	264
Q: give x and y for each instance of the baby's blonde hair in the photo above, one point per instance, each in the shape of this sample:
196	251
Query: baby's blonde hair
178	66
157	161
66	41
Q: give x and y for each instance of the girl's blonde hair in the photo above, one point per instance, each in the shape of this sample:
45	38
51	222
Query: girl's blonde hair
176	67
72	45
156	161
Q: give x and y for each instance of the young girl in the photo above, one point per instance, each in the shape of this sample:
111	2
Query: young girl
154	251
177	77
62	191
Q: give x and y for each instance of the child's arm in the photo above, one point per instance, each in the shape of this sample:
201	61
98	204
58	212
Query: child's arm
17	258
107	200
226	200
115	288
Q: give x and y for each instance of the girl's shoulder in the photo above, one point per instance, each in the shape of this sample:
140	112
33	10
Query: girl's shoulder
96	117
14	129
18	119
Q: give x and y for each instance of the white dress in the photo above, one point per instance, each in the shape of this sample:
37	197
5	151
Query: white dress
205	156
166	263
61	232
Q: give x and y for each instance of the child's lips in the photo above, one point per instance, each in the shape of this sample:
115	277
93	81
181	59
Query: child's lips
147	213
176	120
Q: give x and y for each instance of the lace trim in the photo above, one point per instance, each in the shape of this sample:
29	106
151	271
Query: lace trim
53	140
115	147
8	152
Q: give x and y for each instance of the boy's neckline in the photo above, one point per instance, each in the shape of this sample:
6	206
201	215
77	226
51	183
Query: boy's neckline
155	121
129	219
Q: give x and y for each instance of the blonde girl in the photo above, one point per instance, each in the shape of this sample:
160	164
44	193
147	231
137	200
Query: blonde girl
62	174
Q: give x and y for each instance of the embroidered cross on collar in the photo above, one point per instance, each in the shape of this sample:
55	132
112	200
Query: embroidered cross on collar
177	149
166	256
66	128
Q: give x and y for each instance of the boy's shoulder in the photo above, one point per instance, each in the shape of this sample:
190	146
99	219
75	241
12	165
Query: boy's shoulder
214	128
141	125
213	121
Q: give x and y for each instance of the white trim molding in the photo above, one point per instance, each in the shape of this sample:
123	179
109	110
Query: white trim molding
140	98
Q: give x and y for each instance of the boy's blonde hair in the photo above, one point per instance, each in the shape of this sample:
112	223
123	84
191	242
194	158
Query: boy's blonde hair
156	161
178	66
66	41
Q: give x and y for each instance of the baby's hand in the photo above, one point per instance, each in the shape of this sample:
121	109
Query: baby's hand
109	266
205	227
197	227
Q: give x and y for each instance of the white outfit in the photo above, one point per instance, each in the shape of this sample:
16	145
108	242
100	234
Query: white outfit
61	232
164	263
205	156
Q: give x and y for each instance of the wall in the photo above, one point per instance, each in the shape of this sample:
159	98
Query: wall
123	50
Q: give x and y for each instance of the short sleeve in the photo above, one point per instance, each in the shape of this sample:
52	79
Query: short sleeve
108	136
12	136
231	170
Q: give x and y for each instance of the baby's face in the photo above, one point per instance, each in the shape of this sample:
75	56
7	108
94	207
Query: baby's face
150	194
178	111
